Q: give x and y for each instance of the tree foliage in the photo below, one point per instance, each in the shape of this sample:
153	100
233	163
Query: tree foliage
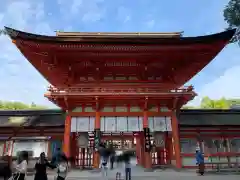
7	105
231	13
222	103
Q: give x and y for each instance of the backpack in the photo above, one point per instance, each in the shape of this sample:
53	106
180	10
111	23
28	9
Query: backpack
62	170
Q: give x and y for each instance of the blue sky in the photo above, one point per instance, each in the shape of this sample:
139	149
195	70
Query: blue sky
21	82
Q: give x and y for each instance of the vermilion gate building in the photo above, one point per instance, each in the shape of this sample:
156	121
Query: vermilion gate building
120	83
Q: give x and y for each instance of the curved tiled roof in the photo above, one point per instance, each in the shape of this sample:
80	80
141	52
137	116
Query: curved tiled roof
32	118
121	38
193	117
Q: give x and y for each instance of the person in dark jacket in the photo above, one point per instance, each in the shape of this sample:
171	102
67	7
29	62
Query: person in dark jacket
200	162
112	155
5	168
41	168
58	156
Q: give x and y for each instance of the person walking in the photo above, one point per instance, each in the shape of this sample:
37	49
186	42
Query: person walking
21	167
41	168
128	170
62	168
200	162
112	155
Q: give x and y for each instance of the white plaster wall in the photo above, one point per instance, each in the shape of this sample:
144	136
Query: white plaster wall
35	146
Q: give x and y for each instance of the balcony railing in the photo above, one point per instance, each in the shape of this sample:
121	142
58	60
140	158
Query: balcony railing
118	90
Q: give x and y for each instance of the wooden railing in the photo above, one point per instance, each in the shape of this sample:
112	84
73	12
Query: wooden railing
118	90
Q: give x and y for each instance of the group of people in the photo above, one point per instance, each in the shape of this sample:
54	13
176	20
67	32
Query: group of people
108	155
19	170
60	163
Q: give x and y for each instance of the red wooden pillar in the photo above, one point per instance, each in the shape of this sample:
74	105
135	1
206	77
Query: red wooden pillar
176	141
139	149
4	149
67	137
147	155
96	157
74	148
49	149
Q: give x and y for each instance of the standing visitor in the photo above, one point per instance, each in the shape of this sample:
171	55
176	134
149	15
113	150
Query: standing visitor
21	167
62	168
127	162
112	155
41	167
6	171
104	167
200	162
56	156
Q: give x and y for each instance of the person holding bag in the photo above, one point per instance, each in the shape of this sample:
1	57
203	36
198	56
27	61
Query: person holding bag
62	168
21	167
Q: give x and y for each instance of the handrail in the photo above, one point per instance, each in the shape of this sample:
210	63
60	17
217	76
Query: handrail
128	89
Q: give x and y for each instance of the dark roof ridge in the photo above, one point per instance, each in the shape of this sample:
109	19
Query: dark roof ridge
15	34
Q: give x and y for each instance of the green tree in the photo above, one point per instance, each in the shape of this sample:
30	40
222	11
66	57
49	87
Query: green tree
231	13
208	103
8	105
189	107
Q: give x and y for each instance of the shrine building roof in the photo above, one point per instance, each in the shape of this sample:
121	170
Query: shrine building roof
56	117
170	59
138	38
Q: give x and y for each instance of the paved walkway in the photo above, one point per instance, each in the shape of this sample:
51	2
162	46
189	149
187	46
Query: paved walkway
139	174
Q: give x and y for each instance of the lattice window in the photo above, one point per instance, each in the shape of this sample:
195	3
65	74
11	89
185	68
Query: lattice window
154	109
78	109
135	109
164	109
215	145
121	109
188	145
89	109
234	145
132	78
121	78
108	78
107	109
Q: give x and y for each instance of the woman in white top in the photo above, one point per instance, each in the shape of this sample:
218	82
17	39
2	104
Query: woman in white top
62	168
21	167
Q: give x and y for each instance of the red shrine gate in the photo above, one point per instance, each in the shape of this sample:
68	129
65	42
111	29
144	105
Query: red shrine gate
121	83
125	133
